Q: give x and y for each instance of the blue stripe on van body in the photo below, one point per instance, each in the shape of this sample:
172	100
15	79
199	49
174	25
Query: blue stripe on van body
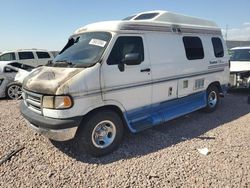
150	116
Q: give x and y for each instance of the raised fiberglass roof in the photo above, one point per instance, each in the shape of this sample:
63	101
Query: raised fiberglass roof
169	17
155	21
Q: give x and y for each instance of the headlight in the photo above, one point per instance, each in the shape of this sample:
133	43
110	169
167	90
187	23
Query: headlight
57	102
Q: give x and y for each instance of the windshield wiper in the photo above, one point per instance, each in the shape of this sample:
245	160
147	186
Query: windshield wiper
84	65
62	63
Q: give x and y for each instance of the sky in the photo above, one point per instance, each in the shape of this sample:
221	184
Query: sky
47	24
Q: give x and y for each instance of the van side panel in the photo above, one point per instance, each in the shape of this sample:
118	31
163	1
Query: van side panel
165	56
179	84
174	76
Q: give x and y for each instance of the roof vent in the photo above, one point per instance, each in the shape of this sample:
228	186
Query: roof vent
146	16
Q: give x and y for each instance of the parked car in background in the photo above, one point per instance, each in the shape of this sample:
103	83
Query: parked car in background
32	57
11	78
240	67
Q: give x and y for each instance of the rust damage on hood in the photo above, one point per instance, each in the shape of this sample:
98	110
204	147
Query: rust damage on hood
48	80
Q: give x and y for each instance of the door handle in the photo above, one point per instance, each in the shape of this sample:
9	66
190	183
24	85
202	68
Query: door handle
145	70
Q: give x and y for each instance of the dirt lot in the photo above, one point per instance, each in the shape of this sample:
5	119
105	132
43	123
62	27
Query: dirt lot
165	156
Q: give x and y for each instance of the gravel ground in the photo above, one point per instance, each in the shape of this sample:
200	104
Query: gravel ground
165	156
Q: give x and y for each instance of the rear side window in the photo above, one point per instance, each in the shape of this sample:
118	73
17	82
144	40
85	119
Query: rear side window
193	47
218	48
123	46
8	57
43	55
25	55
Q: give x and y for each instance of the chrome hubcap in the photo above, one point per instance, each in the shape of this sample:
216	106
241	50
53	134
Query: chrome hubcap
212	99
103	134
15	92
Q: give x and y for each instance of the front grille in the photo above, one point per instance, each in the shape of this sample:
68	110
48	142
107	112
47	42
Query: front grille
33	101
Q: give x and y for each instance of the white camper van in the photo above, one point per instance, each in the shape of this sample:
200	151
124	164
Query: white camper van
136	73
240	67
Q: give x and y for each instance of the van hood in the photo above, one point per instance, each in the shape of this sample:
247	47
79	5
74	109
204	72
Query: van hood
49	80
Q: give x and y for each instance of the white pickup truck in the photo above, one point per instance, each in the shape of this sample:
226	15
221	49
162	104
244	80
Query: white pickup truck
240	67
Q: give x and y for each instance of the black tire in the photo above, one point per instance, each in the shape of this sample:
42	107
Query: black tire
88	136
212	93
14	91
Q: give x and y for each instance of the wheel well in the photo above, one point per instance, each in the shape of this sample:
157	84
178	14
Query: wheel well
11	83
110	108
216	84
14	82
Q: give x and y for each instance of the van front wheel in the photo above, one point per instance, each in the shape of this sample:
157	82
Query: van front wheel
101	133
212	99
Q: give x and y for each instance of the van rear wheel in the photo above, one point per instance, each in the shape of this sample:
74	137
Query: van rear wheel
212	99
101	133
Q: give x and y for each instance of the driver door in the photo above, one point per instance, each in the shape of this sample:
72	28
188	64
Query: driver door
132	86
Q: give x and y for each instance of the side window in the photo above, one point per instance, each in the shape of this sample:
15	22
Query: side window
8	57
125	45
193	47
42	55
218	47
25	55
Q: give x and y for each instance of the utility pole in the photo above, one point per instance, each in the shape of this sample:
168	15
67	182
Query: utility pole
226	32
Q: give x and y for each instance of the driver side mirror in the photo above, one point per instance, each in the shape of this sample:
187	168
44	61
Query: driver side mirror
132	59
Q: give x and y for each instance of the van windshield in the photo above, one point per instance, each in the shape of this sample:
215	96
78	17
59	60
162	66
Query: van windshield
83	50
240	55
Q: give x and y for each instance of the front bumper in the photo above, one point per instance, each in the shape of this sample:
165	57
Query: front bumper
55	129
58	135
